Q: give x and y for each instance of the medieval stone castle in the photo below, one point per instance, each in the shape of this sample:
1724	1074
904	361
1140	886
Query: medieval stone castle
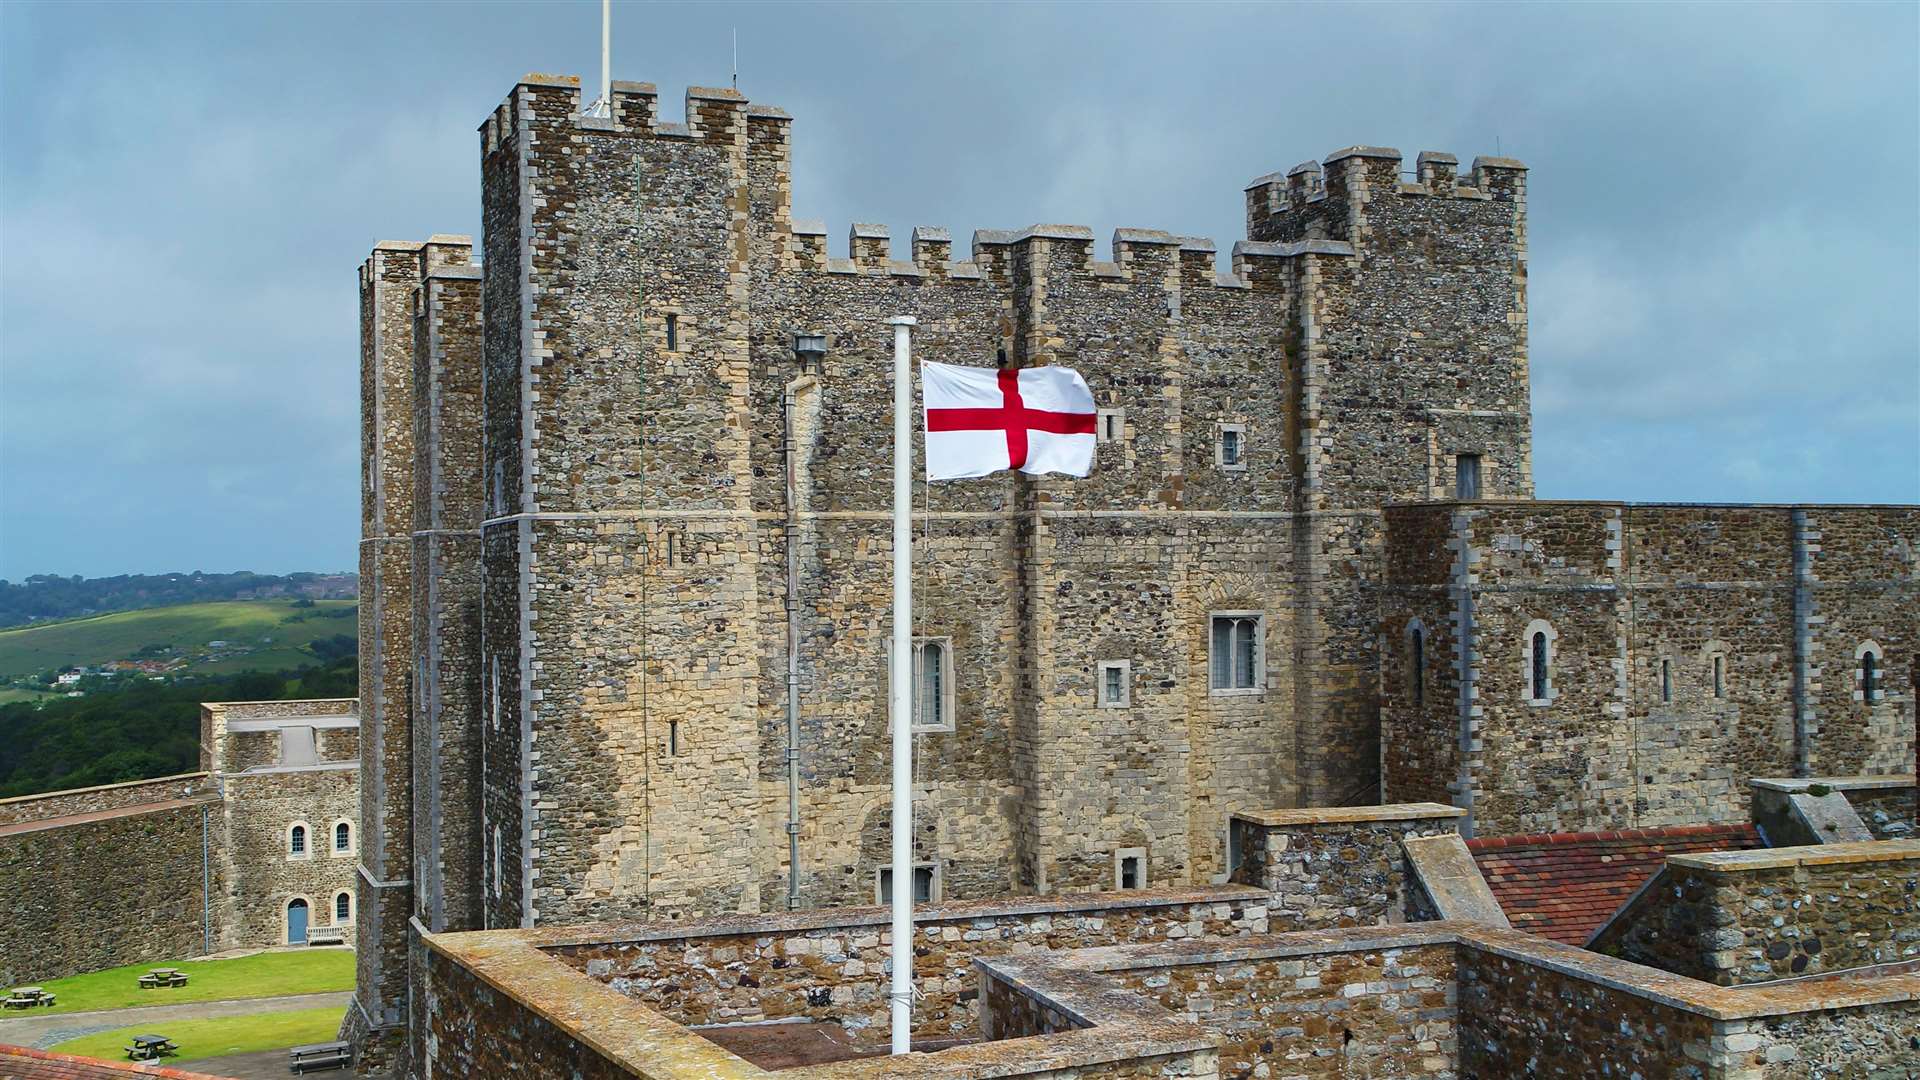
625	608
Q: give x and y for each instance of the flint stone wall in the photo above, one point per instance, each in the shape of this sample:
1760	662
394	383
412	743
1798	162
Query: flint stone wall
1638	601
1331	867
122	889
1742	917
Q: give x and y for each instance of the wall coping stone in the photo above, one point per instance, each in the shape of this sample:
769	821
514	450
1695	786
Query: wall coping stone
1347	815
1893	781
18	800
42	824
1364	152
1290	250
1863	851
1034	971
738	925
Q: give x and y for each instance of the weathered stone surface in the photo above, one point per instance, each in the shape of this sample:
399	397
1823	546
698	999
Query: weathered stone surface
1339	866
1756	916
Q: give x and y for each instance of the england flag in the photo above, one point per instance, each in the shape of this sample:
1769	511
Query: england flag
983	420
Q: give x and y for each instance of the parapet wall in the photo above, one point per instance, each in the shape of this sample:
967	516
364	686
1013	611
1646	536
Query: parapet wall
88	800
1757	916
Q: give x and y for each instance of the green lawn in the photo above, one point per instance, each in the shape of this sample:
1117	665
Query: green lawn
213	1038
187	627
268	974
8	693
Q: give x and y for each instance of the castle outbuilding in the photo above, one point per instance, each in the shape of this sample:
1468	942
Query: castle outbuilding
626	552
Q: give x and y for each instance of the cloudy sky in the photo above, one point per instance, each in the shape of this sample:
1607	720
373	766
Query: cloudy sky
1725	213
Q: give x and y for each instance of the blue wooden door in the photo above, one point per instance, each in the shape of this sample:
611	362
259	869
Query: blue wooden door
297	922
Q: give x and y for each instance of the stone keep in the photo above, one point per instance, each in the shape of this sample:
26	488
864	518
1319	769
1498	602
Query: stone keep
654	446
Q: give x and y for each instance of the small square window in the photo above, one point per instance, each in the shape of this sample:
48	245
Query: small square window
926	884
1130	868
1230	447
1115	688
1236	652
1111	425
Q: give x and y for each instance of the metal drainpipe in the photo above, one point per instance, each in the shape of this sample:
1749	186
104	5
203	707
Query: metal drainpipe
793	662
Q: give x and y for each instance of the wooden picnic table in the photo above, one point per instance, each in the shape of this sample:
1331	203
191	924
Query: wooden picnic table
149	1047
27	997
159	977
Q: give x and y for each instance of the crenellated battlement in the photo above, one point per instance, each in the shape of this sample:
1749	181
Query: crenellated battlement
1326	199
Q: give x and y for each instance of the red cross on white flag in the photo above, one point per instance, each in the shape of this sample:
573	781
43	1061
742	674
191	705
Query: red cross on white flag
982	420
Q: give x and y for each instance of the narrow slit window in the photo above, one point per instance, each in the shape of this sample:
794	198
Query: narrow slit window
1113	425
930	709
1666	682
1869	676
1719	676
1540	668
673	738
1417	661
496	860
673	333
1466	476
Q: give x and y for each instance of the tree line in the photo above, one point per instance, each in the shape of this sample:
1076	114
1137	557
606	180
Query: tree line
49	596
135	729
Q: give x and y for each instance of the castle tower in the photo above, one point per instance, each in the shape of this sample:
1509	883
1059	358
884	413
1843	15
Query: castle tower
1413	374
387	283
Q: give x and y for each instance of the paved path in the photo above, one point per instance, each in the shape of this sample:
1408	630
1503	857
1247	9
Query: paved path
43	1031
265	1065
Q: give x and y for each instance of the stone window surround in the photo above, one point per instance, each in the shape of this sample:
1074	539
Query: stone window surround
1119	417
1416	658
1220	447
286	918
1716	649
1120	857
1539	626
306	840
1259	654
946	726
1860	672
933	886
1100	697
334	850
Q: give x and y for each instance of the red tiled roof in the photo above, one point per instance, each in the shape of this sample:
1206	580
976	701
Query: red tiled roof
21	1063
1565	885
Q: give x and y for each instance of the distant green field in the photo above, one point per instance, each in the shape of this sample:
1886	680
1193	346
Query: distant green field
242	624
9	694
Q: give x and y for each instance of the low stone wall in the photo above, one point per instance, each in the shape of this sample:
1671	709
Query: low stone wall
1756	916
1436	999
93	800
121	888
1885	806
831	964
1508	1005
1336	866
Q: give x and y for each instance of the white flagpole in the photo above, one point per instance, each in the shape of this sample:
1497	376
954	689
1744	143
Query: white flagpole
900	683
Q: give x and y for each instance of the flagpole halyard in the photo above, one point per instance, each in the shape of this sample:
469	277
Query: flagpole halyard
900	684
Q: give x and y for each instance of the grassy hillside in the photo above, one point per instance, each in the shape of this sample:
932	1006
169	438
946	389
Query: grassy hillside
260	635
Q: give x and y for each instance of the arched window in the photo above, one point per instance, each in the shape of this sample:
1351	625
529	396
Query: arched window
1536	662
1870	672
342	906
343	837
297	840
